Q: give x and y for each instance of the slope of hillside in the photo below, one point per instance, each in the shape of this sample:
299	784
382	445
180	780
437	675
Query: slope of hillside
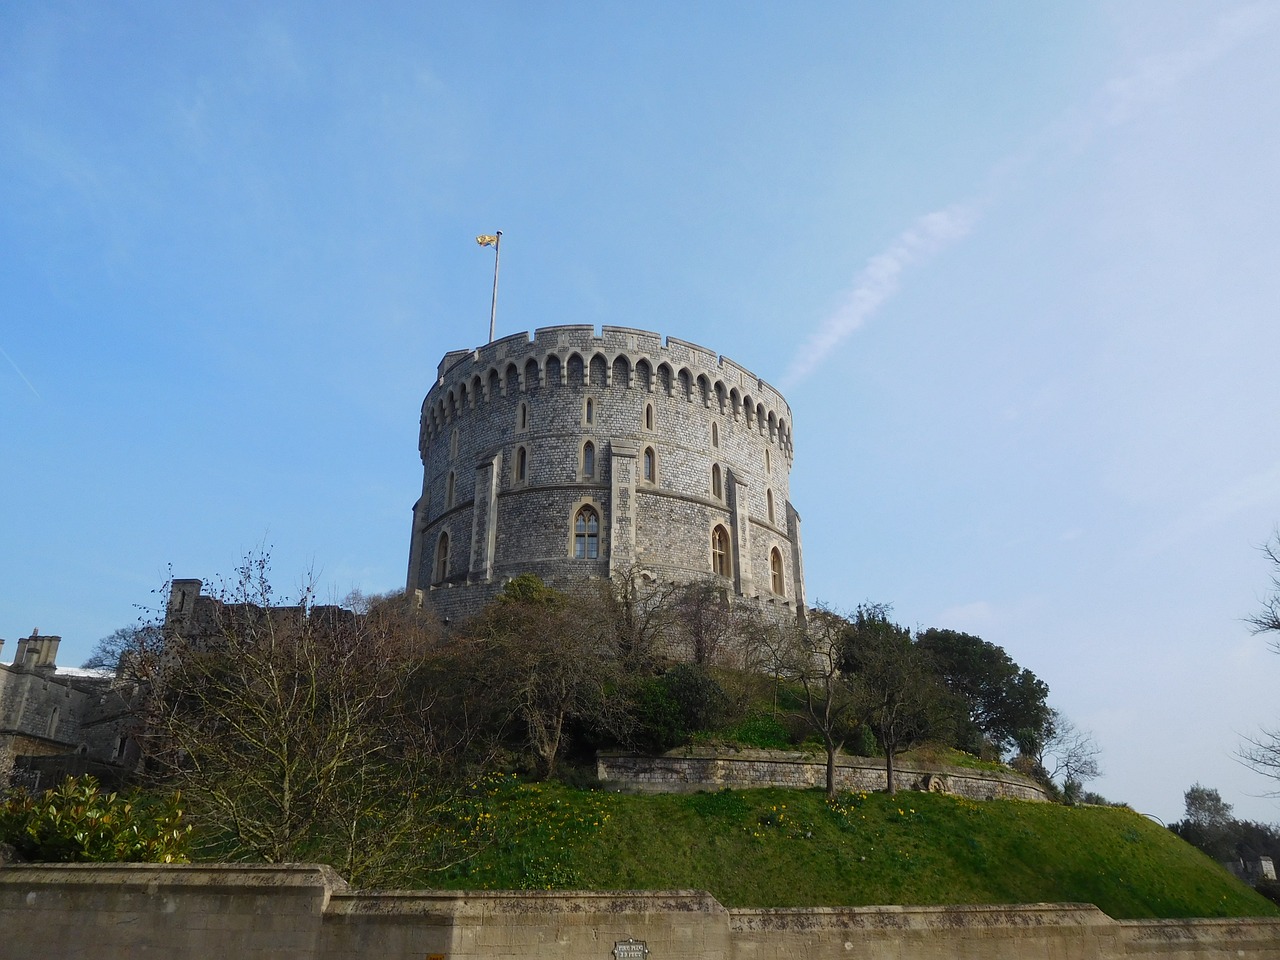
791	848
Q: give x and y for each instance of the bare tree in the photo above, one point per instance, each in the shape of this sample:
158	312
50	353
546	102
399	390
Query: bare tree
1262	752
812	654
707	620
639	611
1068	756
1267	620
297	730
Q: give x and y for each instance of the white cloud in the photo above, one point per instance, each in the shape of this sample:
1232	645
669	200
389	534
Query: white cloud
20	373
880	279
1155	81
1244	494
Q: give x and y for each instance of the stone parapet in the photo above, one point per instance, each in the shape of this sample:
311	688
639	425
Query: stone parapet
688	770
306	912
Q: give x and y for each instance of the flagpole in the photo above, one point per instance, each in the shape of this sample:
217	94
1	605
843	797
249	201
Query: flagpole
493	306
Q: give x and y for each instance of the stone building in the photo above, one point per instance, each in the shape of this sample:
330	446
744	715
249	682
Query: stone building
59	720
574	455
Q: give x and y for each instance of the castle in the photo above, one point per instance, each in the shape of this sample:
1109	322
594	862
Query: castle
573	455
566	454
56	720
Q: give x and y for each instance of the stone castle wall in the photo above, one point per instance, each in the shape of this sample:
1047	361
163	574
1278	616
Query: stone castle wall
663	441
680	772
299	912
47	711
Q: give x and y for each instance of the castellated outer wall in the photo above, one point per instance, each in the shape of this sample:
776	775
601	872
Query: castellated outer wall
574	455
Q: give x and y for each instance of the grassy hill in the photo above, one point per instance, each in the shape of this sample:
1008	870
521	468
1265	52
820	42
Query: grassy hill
778	847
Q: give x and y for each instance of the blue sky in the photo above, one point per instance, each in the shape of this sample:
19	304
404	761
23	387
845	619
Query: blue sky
1014	266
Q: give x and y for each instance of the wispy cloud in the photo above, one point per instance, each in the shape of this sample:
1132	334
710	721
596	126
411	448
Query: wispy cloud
880	279
1245	493
21	374
1154	81
1157	79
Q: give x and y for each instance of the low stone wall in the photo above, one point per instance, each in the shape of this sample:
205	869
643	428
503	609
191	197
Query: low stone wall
687	771
299	912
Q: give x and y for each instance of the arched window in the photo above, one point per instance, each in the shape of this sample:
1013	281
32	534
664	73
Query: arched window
650	465
768	499
442	559
53	723
720	552
586	534
453	444
522	416
589	411
522	464
715	435
775	572
717	485
588	459
767	466
648	416
448	491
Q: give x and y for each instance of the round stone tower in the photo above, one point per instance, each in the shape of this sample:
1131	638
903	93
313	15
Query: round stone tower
574	455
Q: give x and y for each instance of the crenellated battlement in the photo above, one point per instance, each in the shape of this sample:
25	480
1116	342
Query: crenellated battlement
616	357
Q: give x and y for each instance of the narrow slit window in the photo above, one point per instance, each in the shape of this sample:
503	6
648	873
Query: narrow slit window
588	459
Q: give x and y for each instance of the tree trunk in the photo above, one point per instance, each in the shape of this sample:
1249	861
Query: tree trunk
831	771
888	771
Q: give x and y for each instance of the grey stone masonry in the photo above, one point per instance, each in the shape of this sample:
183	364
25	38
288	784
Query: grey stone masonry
574	455
688	770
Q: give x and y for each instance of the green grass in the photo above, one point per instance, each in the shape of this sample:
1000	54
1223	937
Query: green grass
774	847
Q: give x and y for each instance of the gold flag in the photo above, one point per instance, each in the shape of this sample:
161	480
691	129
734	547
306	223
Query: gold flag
487	240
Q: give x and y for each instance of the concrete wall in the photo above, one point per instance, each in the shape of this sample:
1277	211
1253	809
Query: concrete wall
299	912
682	771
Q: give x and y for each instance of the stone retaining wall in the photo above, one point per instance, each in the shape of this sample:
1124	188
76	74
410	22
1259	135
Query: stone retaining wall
683	771
300	912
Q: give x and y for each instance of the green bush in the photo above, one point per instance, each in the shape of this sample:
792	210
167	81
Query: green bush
763	731
77	822
671	708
